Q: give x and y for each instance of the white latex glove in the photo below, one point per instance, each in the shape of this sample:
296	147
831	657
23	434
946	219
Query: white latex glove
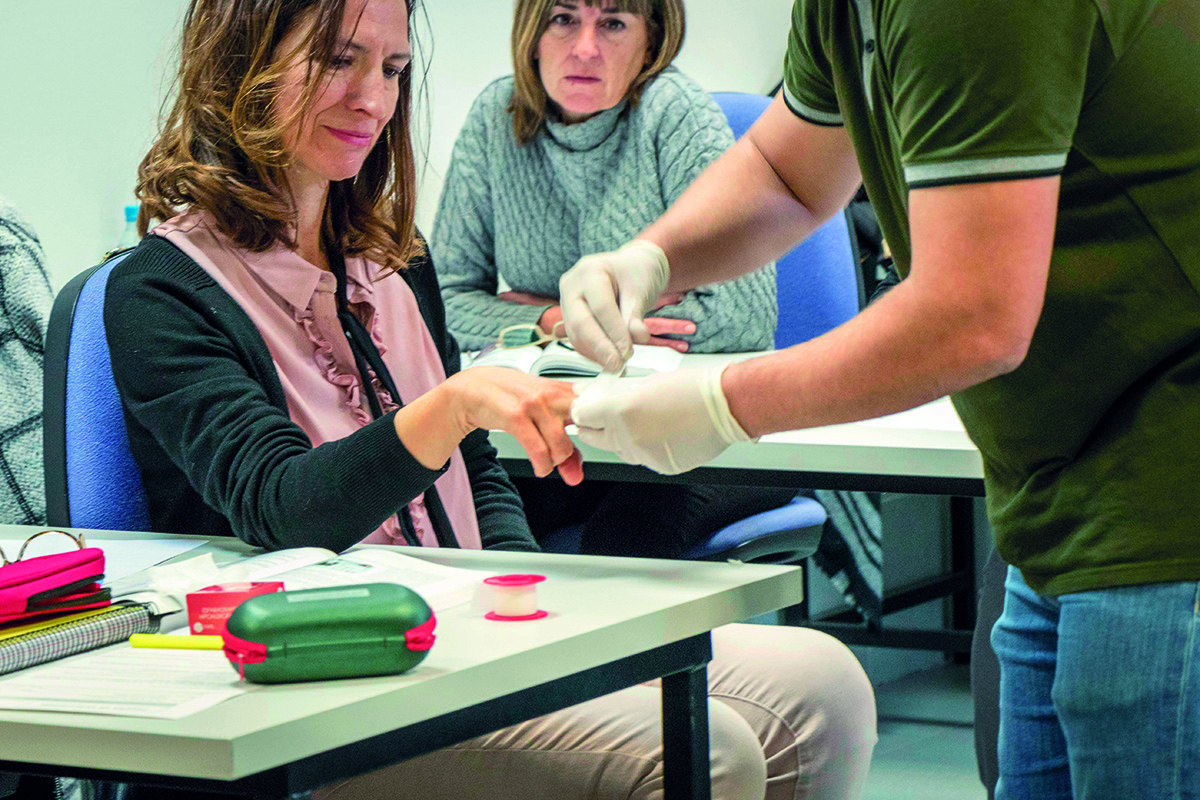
605	296
670	422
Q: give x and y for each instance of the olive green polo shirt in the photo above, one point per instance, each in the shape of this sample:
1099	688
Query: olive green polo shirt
1091	447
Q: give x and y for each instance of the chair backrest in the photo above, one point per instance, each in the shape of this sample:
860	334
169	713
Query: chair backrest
818	283
92	480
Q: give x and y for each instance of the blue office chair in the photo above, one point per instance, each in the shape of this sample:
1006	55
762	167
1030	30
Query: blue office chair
92	480
818	283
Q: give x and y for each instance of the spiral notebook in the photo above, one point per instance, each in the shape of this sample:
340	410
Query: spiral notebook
38	642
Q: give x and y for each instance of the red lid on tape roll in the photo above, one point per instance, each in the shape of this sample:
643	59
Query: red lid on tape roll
514	580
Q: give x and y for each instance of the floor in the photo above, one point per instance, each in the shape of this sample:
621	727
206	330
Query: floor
926	747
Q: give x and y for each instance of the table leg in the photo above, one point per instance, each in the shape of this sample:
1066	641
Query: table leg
962	562
685	735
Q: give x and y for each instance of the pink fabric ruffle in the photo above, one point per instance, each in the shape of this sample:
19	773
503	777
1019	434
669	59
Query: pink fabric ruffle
323	356
350	385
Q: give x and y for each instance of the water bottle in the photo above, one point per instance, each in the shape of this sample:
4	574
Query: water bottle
129	236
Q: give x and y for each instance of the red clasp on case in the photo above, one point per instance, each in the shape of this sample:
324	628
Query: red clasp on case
242	652
421	637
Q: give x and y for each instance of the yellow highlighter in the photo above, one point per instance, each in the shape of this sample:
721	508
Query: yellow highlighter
160	640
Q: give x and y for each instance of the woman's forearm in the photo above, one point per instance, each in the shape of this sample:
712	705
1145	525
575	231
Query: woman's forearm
429	428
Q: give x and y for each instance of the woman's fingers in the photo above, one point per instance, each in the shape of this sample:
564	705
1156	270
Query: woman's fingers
664	326
571	470
539	423
551	424
534	410
545	441
674	344
661	327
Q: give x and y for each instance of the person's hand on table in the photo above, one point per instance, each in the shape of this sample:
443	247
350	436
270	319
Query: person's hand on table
670	422
661	327
605	296
551	322
534	410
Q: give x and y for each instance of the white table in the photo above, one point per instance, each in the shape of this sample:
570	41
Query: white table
922	451
614	623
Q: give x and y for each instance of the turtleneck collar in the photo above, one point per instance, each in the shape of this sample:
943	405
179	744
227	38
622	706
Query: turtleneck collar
590	133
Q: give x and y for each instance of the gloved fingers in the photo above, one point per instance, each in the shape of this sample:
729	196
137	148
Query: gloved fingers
596	407
586	335
670	422
600	292
632	309
600	438
638	331
599	413
657	456
593	320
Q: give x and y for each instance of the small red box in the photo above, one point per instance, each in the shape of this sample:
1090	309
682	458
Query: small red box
209	608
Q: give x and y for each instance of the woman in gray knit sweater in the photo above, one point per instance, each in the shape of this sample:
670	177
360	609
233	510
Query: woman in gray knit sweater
587	143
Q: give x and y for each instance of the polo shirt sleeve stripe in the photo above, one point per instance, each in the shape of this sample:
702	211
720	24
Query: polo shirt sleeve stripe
976	170
807	112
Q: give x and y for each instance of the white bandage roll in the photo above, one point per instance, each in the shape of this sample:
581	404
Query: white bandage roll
514	597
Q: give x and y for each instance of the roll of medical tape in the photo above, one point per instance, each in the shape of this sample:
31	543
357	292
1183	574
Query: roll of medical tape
514	597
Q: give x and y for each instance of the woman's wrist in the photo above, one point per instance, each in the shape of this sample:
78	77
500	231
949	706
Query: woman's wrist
432	426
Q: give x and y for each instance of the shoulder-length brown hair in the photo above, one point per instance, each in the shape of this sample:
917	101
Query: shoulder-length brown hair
530	104
221	146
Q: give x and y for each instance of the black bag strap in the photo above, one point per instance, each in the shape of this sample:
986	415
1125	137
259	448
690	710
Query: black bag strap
368	360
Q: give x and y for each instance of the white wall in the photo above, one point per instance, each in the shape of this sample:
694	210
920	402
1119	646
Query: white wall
82	83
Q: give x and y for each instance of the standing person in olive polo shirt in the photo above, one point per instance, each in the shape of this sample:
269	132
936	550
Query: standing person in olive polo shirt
1036	169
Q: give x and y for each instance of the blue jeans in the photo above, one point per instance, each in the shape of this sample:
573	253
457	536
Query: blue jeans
1099	693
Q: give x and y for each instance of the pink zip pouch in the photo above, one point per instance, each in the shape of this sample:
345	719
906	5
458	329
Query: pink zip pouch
52	584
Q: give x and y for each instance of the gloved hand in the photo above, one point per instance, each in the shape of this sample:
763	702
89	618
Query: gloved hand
670	422
605	296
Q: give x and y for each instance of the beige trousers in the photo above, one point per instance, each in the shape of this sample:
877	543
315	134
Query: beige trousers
791	715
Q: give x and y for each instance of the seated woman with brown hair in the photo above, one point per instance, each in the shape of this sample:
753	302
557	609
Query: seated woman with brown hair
279	344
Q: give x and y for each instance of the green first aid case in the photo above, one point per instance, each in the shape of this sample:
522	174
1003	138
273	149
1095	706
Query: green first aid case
333	632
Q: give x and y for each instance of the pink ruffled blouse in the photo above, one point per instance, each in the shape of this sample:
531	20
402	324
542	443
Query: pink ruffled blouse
292	304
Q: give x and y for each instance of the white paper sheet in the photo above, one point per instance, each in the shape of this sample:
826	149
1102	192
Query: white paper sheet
126	681
121	556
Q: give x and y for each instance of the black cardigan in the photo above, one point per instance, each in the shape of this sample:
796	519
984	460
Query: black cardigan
209	428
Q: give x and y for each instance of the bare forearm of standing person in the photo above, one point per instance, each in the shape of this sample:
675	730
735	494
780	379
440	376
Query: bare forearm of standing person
773	188
966	313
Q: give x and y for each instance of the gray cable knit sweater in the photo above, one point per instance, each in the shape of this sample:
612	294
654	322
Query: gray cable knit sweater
25	300
528	213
